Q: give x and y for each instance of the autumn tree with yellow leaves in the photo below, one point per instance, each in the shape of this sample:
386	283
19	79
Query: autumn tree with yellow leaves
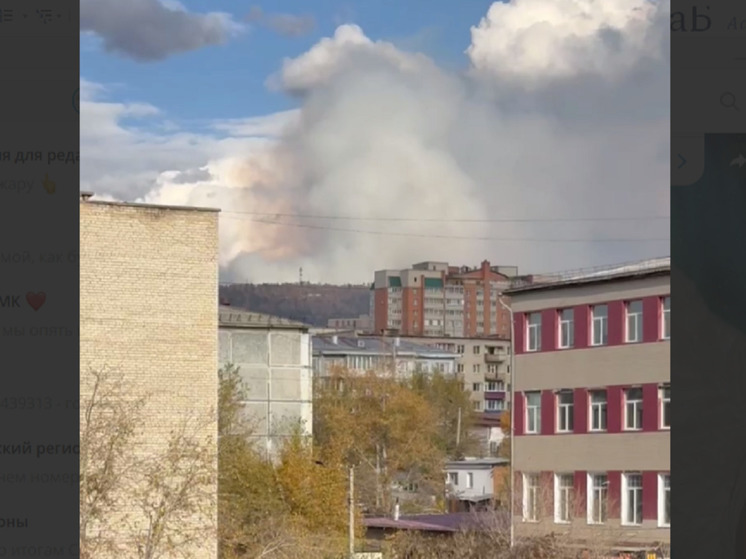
294	506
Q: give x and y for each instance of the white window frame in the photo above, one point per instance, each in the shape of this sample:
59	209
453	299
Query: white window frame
469	480
476	386
566	326
635	404
601	406
533	332
558	490
628	502
633	325
453	478
531	493
477	404
591	493
565	411
535	411
663	401
602	323
494	405
662	490
665	318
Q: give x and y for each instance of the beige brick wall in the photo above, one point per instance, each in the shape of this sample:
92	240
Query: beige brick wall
148	308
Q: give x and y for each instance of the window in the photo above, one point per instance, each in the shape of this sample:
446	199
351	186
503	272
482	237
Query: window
563	492
530	497
460	349
664	500
666	318
634	322
598	498
494	446
460	368
495	405
599	324
533	412
469	480
476	387
598	410
453	478
476	368
565	411
566	328
491	386
633	409
492	368
631	499
476	350
533	332
666	407
477	405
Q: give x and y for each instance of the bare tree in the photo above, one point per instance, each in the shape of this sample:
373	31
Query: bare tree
137	498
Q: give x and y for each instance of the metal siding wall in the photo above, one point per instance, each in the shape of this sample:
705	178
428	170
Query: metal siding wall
582	318
547	412
519	414
650	408
549	330
616	323
520	333
615	411
651	319
580	409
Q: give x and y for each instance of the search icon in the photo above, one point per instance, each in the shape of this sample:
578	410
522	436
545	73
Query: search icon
728	100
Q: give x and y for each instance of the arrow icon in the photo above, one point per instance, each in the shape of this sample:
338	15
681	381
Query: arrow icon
683	161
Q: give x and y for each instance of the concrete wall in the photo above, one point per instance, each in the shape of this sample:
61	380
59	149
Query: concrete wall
148	298
276	367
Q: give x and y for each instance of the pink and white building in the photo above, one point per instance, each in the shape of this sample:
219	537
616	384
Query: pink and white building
592	405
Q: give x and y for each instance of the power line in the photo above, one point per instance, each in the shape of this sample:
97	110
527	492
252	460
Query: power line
449	220
450	237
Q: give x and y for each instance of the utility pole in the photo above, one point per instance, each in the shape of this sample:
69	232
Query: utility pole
351	504
512	419
458	430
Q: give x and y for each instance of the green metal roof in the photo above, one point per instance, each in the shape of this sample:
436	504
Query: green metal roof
394	281
433	283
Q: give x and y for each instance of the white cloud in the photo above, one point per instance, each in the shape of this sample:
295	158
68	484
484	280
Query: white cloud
381	132
536	40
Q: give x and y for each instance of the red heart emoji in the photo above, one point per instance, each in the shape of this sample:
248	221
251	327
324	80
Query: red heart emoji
36	300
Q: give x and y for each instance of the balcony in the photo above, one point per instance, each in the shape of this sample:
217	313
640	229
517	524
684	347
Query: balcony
495	357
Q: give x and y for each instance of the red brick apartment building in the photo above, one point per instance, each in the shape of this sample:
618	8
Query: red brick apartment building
435	299
592	405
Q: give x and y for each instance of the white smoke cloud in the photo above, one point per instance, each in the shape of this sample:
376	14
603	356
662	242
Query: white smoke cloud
544	125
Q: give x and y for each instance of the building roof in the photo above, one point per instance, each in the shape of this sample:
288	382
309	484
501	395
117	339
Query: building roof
452	522
476	462
352	345
232	317
632	270
86	197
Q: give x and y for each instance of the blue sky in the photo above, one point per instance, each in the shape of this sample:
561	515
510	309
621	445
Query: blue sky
228	81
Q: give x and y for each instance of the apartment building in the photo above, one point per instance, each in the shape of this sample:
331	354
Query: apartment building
363	354
148	288
436	299
273	357
592	405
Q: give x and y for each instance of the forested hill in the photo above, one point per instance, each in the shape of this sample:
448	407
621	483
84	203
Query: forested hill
309	303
